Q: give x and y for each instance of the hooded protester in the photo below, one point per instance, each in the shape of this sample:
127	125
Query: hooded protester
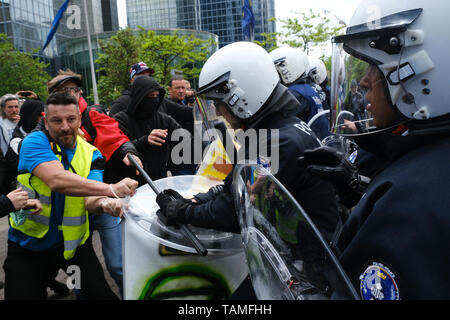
30	115
148	129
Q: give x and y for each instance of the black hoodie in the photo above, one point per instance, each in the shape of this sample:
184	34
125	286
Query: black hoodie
137	122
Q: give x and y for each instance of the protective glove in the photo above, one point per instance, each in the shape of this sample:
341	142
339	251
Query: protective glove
173	207
331	165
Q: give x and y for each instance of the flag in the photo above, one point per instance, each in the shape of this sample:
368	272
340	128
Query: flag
55	23
248	20
216	164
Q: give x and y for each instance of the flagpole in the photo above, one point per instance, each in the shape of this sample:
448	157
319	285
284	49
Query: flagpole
91	59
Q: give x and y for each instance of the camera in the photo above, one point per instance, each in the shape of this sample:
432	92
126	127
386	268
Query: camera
190	99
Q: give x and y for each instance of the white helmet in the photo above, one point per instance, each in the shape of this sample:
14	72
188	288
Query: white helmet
318	72
291	63
241	75
405	39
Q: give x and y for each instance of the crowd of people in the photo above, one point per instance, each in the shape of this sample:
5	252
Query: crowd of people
65	166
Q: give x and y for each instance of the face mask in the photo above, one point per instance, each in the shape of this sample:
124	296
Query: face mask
147	107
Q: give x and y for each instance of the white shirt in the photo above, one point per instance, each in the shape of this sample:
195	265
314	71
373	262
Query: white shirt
6	134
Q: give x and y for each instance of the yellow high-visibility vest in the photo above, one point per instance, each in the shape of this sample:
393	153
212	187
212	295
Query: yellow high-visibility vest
75	224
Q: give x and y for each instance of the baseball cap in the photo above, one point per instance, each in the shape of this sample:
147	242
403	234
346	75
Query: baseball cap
138	68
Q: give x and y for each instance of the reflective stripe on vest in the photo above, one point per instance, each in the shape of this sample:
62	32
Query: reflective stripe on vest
34	195
75	224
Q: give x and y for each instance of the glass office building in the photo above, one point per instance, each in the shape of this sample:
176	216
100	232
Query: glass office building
27	23
221	17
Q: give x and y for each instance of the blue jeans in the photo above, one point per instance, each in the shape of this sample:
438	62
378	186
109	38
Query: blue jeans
111	238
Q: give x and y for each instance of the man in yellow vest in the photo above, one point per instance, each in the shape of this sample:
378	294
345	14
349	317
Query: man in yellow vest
65	173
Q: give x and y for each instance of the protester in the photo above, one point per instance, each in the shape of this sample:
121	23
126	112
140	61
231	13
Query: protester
319	75
65	172
121	103
17	200
103	132
181	110
148	129
189	99
30	115
400	227
177	89
10	107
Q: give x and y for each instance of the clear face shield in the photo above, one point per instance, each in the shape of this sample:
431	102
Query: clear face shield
216	135
360	94
348	111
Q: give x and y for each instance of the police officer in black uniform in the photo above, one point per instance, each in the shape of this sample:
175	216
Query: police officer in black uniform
396	241
245	87
293	67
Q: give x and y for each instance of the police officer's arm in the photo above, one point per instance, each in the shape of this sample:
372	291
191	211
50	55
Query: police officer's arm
217	212
52	173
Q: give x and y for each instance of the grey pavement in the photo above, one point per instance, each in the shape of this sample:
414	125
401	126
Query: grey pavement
4	226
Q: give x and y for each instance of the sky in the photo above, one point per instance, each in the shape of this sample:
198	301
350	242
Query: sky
335	9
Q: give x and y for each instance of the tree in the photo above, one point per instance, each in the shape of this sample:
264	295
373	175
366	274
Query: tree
169	52
309	29
270	39
163	53
21	71
117	55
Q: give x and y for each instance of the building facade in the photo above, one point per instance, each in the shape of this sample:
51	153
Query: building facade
27	23
221	17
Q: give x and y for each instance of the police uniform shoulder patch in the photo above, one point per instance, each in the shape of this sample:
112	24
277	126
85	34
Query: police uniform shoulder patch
377	282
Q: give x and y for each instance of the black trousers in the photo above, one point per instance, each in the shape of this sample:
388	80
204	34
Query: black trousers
27	273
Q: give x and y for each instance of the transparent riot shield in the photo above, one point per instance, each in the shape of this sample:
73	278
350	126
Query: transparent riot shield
287	257
160	263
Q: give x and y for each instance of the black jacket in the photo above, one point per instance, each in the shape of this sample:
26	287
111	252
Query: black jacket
121	103
184	115
155	160
6	206
395	243
314	195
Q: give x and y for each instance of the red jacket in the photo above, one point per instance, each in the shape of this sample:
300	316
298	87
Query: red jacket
109	136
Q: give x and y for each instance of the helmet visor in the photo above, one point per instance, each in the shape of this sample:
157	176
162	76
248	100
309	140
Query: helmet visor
348	112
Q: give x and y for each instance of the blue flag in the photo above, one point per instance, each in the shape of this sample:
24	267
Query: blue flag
248	20
55	24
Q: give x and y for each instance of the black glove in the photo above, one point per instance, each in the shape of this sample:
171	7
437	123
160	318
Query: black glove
331	165
173	207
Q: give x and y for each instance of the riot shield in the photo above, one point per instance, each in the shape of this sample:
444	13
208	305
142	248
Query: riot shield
160	263
287	257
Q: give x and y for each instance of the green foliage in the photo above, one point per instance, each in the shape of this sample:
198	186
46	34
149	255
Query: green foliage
356	68
168	52
163	53
269	42
21	71
270	39
308	30
116	57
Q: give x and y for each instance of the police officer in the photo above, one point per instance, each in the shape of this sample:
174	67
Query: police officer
395	243
243	83
293	68
319	75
